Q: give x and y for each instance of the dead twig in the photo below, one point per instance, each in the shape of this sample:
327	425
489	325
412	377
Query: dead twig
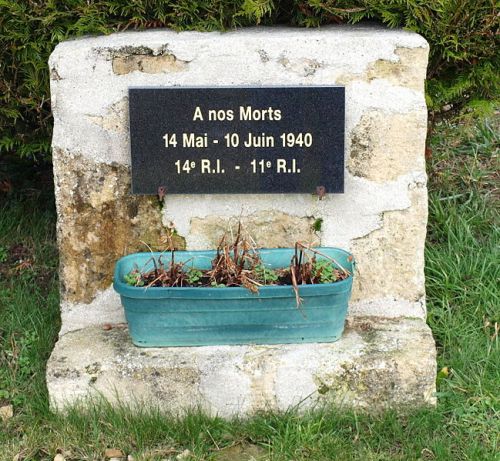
295	285
313	250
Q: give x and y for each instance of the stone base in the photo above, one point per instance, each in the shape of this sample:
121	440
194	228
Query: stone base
377	364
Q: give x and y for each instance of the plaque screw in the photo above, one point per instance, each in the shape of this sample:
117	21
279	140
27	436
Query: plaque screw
321	192
162	191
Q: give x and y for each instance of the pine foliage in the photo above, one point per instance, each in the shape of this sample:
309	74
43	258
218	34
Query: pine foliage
463	68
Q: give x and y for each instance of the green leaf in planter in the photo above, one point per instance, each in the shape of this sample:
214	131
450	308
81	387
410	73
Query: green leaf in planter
194	276
134	278
214	284
325	271
265	275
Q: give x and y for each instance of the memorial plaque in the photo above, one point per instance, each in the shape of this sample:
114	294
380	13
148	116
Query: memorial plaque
237	140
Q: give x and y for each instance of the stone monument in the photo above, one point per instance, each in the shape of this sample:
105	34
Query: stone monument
386	357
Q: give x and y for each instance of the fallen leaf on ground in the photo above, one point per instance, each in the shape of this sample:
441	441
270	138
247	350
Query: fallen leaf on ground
186	454
6	412
113	453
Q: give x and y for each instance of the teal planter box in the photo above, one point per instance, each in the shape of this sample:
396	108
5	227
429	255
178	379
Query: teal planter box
208	316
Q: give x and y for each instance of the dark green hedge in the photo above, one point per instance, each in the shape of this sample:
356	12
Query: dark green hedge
463	64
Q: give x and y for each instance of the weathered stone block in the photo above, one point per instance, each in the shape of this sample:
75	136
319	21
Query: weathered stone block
377	364
381	217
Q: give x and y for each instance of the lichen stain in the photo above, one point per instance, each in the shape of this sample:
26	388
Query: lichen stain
389	260
384	147
264	57
177	382
184	376
54	74
303	66
98	222
371	376
361	147
269	229
148	64
115	119
395	366
408	70
260	367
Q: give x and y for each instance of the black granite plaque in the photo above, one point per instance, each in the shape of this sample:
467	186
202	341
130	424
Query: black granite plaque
237	140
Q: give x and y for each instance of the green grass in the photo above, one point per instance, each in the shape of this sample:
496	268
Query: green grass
463	302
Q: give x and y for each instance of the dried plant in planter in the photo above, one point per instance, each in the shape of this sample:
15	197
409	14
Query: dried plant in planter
237	263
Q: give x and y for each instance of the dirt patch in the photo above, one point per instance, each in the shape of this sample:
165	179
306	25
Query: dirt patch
242	451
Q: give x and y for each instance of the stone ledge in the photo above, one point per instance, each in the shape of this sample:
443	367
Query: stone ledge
377	364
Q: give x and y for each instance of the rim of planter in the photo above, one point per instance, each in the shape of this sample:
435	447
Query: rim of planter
267	291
